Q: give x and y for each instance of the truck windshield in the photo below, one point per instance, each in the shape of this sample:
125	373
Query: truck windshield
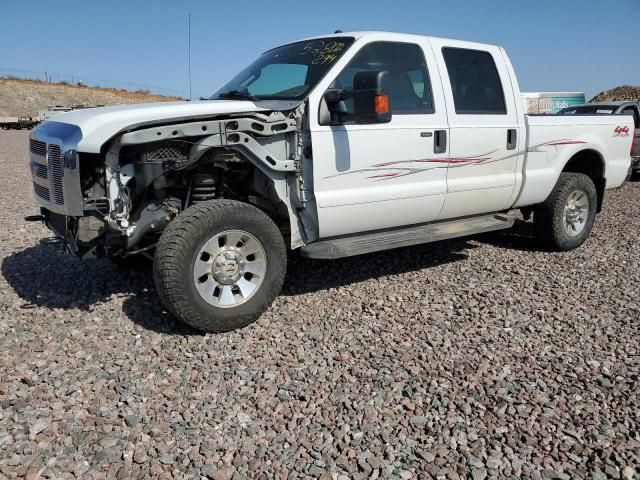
286	73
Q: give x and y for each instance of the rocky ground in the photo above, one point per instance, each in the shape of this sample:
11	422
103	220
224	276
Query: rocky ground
479	358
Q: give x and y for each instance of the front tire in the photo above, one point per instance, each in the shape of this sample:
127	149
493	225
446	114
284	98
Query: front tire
219	265
566	218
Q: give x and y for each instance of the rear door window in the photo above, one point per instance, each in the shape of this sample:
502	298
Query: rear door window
475	82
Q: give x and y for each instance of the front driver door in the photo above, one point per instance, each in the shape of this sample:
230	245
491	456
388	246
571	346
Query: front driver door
370	177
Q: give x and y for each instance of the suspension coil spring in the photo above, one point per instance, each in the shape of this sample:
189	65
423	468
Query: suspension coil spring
203	187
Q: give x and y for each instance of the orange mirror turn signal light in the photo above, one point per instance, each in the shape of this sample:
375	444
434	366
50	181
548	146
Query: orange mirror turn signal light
381	103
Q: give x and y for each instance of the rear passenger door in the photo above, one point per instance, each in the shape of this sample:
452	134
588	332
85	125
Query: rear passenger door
485	135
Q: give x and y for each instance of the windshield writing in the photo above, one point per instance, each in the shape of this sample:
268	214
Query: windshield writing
323	51
288	72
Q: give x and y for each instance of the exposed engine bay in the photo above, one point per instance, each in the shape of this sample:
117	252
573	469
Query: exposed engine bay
145	177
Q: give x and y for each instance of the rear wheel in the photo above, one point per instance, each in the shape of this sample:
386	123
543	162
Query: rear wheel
219	265
566	218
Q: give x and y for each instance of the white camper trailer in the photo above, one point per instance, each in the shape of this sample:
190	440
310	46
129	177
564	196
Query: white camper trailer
550	102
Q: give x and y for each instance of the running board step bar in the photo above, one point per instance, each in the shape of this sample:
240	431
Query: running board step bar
388	239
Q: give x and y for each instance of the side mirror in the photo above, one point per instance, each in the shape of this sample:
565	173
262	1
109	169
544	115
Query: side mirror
371	97
330	108
333	95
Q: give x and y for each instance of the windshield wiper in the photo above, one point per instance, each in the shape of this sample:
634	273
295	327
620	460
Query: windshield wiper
237	94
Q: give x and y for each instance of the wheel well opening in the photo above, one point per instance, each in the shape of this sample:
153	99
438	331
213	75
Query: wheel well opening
590	163
237	178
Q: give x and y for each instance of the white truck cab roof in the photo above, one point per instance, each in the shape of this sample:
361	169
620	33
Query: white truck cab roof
399	37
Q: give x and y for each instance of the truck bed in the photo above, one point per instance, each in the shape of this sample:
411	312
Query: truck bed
552	140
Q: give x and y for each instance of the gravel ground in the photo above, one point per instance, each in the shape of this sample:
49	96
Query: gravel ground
479	358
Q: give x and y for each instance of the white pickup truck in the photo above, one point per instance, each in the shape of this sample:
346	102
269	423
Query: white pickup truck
338	145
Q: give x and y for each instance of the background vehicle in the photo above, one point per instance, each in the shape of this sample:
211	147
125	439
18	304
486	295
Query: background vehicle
17	123
339	146
614	108
550	102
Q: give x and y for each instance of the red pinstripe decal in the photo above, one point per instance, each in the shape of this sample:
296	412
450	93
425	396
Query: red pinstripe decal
391	174
461	161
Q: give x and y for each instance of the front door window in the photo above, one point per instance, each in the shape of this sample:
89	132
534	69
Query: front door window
410	89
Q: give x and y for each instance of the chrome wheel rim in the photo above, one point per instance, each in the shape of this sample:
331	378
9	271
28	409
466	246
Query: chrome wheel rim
230	268
576	213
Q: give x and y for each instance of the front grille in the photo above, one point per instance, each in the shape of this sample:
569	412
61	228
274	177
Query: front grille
42	192
56	171
40	170
37	147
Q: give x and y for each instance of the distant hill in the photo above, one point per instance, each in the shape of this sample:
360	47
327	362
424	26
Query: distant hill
20	97
625	92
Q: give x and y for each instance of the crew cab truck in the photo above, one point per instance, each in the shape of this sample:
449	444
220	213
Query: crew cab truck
337	145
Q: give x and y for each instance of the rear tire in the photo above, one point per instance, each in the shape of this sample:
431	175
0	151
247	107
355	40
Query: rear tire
219	265
566	218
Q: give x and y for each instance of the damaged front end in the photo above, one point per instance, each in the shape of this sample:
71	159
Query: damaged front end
117	203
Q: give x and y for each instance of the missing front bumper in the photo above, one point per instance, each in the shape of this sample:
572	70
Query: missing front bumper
84	237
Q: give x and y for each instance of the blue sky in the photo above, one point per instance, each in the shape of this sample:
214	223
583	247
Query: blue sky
570	45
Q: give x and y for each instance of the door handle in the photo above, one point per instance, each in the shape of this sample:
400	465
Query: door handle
440	141
512	139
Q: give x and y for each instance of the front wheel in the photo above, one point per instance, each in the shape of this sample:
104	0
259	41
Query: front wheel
219	265
566	218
